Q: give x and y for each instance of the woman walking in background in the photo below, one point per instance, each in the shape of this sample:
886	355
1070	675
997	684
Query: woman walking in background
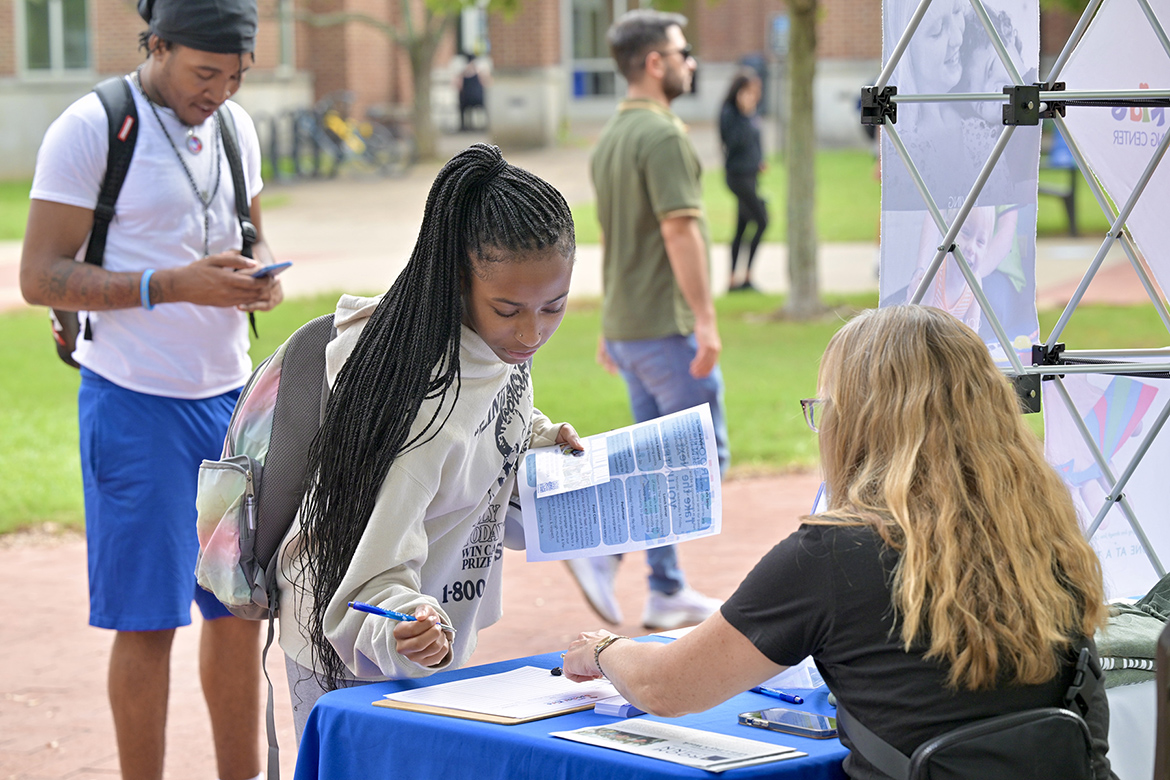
743	160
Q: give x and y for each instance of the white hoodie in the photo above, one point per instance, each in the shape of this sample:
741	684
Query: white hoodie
436	533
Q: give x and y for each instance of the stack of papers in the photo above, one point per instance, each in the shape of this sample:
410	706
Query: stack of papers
617	706
681	745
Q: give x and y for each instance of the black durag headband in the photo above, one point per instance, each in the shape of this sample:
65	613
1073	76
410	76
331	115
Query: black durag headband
219	26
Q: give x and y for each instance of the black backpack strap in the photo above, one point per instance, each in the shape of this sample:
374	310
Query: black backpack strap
231	148
122	117
888	759
1086	677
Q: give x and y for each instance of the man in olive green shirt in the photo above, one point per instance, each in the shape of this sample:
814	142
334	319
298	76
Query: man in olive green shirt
658	319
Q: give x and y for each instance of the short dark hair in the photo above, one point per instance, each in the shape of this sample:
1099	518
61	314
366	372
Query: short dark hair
144	42
635	34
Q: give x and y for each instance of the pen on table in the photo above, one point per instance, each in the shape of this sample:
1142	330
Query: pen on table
389	613
781	695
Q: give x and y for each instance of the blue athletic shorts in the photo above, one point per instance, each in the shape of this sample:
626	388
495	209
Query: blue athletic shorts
140	457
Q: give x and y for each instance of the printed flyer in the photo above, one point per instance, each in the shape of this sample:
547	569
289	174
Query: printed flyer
633	488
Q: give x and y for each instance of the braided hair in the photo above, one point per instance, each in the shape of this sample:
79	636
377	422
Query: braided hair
480	209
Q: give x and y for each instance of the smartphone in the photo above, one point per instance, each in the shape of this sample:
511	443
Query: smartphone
269	270
798	722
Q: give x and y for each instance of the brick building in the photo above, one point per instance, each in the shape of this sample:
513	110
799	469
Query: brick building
54	51
549	60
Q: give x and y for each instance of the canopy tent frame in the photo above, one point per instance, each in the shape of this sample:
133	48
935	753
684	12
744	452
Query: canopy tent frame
879	107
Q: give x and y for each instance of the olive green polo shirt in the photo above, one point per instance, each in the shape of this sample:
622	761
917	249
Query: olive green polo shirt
644	170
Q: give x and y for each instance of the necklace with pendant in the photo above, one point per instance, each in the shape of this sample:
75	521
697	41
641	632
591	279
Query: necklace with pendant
194	144
205	197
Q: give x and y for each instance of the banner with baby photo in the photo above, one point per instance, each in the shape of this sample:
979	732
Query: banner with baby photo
1119	413
949	142
1121	51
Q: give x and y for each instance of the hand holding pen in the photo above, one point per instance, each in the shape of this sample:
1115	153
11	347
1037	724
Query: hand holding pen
401	616
415	635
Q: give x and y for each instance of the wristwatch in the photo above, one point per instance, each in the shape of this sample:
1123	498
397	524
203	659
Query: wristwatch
604	643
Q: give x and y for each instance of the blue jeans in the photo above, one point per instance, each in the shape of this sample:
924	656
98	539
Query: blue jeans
657	375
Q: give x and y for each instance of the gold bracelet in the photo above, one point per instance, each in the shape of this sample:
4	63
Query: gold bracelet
604	643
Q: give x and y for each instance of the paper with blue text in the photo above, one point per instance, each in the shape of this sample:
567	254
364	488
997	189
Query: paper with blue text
633	488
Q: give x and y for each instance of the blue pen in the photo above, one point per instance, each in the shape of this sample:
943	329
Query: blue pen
781	695
389	613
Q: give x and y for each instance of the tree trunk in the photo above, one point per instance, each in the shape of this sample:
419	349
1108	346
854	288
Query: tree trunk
804	298
422	57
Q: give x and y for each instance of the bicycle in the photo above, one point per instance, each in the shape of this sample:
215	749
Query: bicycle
363	145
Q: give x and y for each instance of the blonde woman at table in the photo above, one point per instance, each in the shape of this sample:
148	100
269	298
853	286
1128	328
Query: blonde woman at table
946	582
430	411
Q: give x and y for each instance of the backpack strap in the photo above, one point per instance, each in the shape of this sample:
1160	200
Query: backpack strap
122	117
300	408
1086	677
887	758
231	148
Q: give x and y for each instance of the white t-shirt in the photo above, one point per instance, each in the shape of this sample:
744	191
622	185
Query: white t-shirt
179	350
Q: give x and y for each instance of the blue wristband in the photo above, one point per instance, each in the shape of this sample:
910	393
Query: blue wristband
144	289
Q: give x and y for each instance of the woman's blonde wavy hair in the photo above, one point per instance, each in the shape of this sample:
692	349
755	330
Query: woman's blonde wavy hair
922	439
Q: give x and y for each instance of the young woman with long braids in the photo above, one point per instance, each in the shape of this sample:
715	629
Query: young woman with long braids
946	583
430	411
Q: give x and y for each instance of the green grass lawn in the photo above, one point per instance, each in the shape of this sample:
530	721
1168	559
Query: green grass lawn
768	365
848	201
13	208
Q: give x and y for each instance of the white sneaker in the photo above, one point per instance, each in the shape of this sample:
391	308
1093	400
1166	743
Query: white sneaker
685	608
595	576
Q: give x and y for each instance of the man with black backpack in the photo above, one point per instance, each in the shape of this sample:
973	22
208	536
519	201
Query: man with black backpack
163	351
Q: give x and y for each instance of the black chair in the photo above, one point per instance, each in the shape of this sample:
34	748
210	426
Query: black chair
1162	744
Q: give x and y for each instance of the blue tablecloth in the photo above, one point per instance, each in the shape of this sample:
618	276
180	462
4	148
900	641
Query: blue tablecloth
347	737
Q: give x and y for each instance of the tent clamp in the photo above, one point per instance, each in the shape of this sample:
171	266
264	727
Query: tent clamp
878	105
1052	107
1027	388
1023	105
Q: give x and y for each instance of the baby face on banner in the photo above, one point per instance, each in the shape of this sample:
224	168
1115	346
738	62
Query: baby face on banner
974	240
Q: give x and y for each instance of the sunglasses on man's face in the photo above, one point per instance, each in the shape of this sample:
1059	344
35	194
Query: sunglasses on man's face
687	52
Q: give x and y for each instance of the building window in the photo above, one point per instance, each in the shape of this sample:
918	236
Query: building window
56	35
593	69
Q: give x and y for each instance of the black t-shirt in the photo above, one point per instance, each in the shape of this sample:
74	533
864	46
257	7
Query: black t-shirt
825	592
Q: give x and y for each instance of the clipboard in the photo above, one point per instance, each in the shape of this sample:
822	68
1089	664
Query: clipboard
483	717
520	695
